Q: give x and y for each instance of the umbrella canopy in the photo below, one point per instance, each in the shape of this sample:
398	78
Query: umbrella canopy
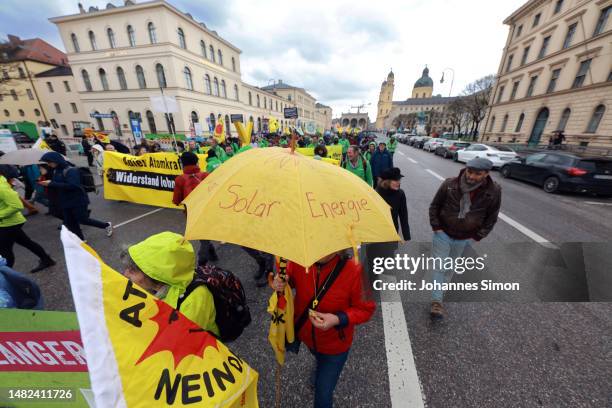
24	157
288	205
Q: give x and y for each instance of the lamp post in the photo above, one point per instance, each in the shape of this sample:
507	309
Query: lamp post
452	79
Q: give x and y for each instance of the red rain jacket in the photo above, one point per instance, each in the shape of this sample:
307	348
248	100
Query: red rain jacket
186	182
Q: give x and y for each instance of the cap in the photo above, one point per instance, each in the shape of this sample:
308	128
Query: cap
480	163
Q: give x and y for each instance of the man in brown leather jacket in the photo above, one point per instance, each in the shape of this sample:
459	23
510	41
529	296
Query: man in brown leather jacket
464	208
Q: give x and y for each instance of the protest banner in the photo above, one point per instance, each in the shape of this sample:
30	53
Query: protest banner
146	353
334	152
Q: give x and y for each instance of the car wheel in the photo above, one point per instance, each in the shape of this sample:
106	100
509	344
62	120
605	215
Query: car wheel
551	185
456	157
505	171
445	154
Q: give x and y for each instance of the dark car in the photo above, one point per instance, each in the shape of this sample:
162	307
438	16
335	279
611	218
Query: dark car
421	142
450	147
557	171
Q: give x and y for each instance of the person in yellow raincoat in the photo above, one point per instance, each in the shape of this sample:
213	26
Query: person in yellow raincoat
164	264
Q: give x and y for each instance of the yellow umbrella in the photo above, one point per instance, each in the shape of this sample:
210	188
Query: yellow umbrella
288	205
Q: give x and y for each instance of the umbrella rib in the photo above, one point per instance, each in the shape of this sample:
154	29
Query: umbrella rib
302	212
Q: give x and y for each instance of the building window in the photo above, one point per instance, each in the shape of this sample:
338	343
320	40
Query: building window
64	130
194	117
609	76
111	38
216	86
581	75
151	122
152	33
21	112
525	55
7	113
564	118
121	78
14	95
265	103
74	107
30	94
203	48
233	64
519	124
236	94
37	112
545	43
492	124
603	19
161	76
558	6
220	57
142	83
131	36
595	119
536	20
250	99
211	50
289	97
207	84
50	87
223	89
181	38
504	123
75	43
86	80
57	108
553	80
21	72
276	106
570	35
54	124
212	120
92	41
99	122
514	89
519	31
5	74
531	86
509	65
188	80
66	86
258	102
103	79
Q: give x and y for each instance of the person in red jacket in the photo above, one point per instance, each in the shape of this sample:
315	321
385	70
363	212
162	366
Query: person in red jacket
185	184
328	330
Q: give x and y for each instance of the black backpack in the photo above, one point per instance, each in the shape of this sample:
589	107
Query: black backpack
232	311
87	179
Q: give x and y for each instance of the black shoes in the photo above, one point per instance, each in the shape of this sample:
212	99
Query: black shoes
43	264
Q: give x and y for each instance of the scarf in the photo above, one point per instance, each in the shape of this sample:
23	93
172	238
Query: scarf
466	200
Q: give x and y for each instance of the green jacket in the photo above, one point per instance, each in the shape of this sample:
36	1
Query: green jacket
213	163
392	145
221	155
363	170
235	147
368	155
264	143
10	205
345	145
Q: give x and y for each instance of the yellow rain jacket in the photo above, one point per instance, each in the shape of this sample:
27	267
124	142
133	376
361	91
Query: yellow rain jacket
169	259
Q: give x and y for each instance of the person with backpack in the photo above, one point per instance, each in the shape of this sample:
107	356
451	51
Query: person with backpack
185	184
331	298
359	166
72	185
212	161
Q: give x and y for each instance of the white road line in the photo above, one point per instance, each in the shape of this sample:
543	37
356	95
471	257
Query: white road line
436	175
404	386
401	153
137	218
413	161
597	203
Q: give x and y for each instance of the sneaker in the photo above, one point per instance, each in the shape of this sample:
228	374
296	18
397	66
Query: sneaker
109	229
437	310
43	264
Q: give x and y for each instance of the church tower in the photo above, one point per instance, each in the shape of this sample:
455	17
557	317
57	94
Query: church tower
385	100
423	87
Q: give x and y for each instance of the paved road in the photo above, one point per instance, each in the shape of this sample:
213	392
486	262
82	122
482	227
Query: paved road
488	354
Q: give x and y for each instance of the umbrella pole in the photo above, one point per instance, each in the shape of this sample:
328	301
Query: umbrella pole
277	402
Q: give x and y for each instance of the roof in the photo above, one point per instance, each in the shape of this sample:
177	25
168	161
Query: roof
320	105
523	10
57	71
424	80
33	49
278	85
434	100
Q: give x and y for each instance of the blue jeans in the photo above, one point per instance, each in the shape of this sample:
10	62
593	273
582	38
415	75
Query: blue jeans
329	367
445	247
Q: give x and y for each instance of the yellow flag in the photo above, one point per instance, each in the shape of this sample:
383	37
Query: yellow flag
143	353
244	134
220	130
281	324
273	125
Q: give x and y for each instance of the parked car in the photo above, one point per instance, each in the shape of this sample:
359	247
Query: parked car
559	171
412	139
432	144
419	143
498	155
450	147
74	149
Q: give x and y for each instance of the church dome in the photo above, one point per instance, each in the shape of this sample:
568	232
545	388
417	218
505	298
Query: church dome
391	75
425	80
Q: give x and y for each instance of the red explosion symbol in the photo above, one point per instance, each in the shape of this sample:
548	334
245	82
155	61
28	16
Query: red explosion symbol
178	335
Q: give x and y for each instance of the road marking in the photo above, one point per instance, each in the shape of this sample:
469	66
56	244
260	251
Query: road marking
597	203
401	153
513	223
404	386
413	161
137	218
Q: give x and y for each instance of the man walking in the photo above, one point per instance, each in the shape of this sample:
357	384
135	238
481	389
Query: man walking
380	161
465	208
392	146
358	165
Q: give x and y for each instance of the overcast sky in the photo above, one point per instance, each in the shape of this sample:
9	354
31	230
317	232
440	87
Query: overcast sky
339	50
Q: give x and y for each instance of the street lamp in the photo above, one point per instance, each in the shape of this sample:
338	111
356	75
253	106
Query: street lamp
452	79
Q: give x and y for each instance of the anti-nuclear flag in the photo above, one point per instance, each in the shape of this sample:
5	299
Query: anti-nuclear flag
102	137
220	130
280	307
41	144
141	352
273	125
244	134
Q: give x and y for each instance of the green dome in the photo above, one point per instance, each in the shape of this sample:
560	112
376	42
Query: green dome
425	80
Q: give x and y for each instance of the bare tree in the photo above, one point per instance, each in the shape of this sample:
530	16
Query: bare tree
406	120
456	111
476	96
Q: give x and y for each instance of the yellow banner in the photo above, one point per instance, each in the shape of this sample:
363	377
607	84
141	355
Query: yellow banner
147	179
334	152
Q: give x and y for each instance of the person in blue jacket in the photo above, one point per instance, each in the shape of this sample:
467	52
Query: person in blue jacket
72	198
381	160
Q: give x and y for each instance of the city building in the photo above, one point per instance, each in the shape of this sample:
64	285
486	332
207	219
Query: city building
555	74
354	120
323	115
422	108
121	56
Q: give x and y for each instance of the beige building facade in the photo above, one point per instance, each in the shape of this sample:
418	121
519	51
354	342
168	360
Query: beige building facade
122	56
555	74
323	115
